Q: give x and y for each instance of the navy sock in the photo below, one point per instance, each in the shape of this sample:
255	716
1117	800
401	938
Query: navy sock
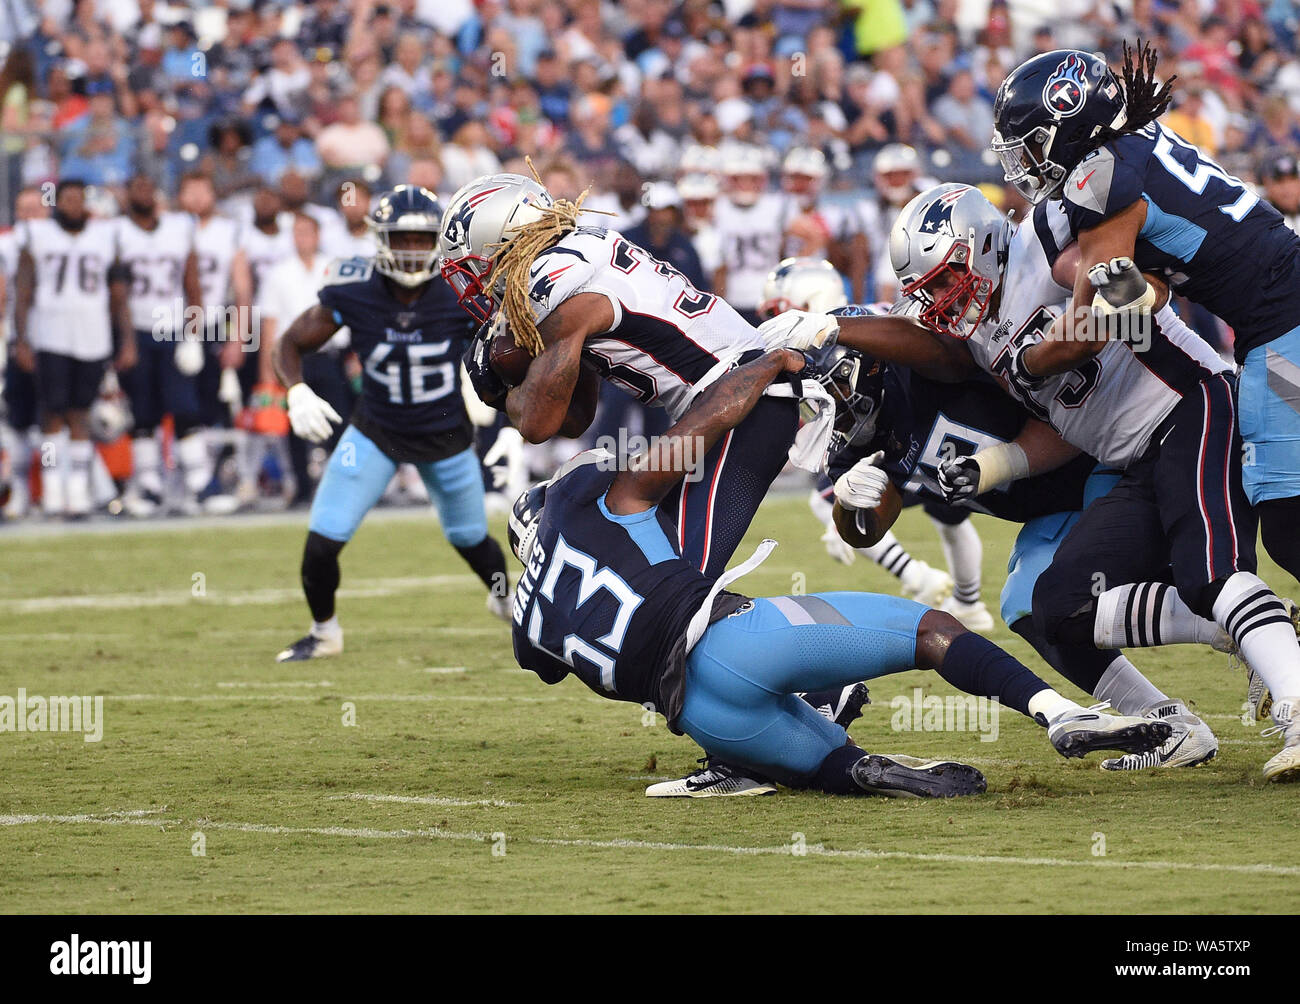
1082	665
834	775
489	564
974	664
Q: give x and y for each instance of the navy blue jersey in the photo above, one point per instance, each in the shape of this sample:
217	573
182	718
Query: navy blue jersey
608	598
410	354
1211	237
922	423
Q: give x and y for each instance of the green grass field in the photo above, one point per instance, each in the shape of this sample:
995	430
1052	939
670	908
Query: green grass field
467	785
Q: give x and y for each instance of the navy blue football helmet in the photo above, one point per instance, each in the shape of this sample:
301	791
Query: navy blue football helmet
525	517
415	213
1047	115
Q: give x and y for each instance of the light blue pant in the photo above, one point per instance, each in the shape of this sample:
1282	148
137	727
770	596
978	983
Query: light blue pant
742	675
359	471
1036	545
1269	419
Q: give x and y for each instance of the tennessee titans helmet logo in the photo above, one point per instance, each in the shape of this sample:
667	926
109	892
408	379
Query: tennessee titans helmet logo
1066	88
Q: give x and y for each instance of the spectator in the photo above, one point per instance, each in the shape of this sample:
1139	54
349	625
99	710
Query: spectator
283	150
282	88
17	91
966	117
99	148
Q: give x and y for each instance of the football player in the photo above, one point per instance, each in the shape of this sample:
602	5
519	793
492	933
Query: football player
410	335
158	249
896	432
813	285
1135	193
71	295
749	222
837	224
606	595
1162	414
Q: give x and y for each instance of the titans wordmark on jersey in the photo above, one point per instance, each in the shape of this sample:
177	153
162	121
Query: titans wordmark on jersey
606	597
666	334
1209	235
410	403
70	313
1111	404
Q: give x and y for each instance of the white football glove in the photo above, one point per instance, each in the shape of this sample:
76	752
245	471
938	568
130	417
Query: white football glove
799	330
311	416
863	485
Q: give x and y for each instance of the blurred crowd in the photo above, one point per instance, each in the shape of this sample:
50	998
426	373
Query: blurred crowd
727	133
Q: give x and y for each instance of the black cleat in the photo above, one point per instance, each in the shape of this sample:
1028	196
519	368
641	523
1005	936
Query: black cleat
910	777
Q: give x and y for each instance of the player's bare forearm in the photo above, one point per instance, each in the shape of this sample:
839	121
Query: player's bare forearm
540	406
309	331
190	282
905	342
722	406
1044	448
582	406
25	281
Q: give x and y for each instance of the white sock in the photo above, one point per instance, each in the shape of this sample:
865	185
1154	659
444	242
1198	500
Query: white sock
102	488
81	453
1148	613
1126	690
327	629
1051	705
146	465
889	554
54	464
192	458
1250	611
964	552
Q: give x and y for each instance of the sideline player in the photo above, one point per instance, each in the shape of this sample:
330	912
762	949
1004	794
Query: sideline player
410	335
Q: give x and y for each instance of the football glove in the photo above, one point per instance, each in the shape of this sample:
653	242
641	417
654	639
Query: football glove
799	330
311	416
863	485
1018	374
1121	288
489	387
959	479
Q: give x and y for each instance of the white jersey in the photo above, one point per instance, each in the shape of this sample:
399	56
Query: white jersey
264	251
157	261
345	244
1111	404
70	312
215	243
667	335
750	238
840	220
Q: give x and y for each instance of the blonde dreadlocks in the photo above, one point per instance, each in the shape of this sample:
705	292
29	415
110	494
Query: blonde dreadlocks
514	257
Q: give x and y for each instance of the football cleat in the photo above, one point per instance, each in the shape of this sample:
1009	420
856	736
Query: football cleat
311	646
843	706
713	779
1078	733
1191	744
1261	701
909	777
501	606
926	584
973	616
141	503
1285	766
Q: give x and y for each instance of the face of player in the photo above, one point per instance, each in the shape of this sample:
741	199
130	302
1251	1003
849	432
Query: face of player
1284	193
71	207
897	186
412	248
306	237
745	189
141	198
266	204
802	186
29	206
197	197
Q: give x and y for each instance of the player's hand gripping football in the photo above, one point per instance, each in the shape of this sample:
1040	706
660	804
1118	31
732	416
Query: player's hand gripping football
799	330
863	485
311	416
489	387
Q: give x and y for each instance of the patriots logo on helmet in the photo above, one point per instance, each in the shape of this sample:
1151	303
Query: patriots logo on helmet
1066	88
457	227
937	220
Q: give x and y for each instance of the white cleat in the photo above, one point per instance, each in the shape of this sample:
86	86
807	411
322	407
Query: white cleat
929	585
1191	744
501	606
712	780
1257	694
141	504
312	646
1078	733
973	616
1285	766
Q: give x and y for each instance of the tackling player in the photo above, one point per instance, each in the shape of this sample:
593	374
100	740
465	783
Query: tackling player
409	334
606	596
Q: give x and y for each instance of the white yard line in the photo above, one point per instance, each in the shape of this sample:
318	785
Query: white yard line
259	684
137	818
397	698
360	796
444	670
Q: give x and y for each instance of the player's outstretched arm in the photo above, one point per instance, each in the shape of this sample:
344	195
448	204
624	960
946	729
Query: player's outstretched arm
723	405
557	394
903	341
1037	449
25	283
309	331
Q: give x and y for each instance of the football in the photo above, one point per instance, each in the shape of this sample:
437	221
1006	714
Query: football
509	361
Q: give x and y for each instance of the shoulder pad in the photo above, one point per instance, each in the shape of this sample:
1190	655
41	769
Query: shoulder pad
555	275
342	271
1104	183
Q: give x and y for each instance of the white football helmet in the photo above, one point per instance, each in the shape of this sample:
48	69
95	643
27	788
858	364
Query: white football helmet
948	249
480	217
698	187
803	172
810	284
745	170
895	171
698	159
110	413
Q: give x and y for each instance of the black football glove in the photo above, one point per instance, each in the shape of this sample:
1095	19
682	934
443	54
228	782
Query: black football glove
1017	372
489	387
959	479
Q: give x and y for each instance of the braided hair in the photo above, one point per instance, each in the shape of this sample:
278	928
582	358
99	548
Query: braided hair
514	257
1145	98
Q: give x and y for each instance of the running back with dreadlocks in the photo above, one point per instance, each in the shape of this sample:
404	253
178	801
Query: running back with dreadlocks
1145	98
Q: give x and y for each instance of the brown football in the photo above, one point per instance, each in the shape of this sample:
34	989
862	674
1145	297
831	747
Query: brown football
508	360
